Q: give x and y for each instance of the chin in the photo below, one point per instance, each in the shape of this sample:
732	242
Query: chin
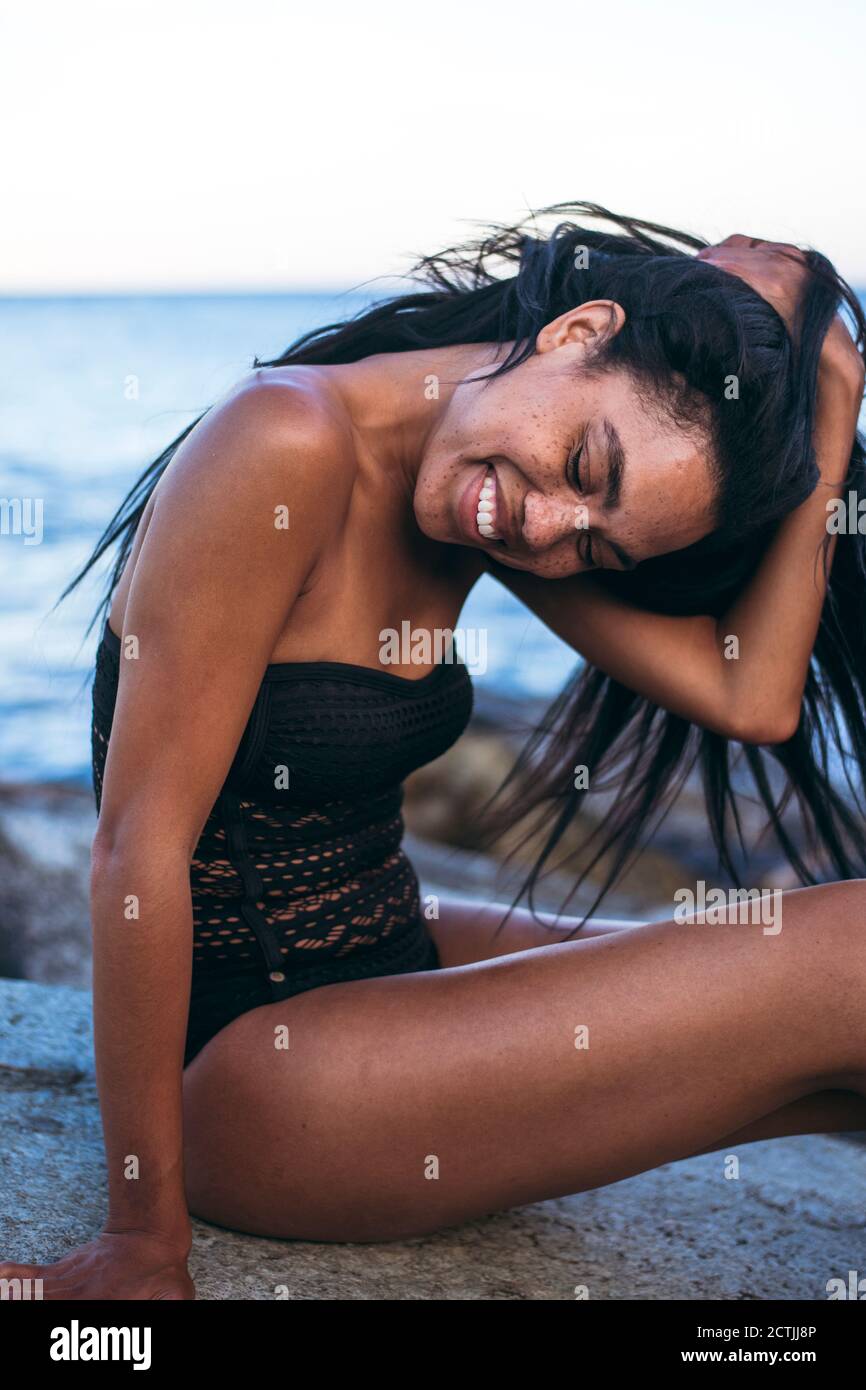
503	558
434	527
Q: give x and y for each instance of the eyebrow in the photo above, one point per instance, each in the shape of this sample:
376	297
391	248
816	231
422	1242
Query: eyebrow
616	468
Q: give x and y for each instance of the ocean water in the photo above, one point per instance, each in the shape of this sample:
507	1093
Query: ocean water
91	390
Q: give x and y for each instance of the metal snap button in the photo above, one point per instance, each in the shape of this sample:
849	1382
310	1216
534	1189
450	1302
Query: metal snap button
277	976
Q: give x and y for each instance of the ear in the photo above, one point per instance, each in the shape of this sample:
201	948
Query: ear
583	326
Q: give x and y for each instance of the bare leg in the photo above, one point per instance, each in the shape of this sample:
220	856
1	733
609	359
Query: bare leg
470	931
408	1103
823	1112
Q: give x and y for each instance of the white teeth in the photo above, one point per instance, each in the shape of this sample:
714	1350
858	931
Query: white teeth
486	512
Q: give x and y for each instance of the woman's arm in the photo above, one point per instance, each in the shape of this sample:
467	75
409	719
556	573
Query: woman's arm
681	663
213	584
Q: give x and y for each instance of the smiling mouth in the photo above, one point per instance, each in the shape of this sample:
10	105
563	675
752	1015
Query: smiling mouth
485	517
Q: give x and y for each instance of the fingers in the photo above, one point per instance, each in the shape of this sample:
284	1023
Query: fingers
56	1280
8	1270
739	239
65	1281
739	242
731	242
21	1282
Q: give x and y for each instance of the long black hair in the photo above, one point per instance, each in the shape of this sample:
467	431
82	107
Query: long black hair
708	351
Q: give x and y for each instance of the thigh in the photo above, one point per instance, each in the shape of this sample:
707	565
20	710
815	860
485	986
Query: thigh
377	1109
466	931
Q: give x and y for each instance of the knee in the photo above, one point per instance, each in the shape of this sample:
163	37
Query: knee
846	902
842	911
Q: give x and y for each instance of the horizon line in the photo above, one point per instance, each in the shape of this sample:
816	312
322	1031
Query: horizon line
209	292
238	292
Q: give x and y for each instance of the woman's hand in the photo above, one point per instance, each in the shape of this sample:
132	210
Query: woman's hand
776	270
121	1265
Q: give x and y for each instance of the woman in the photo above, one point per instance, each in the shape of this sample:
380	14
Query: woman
349	1069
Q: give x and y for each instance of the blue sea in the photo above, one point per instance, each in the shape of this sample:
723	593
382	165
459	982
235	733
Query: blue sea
91	391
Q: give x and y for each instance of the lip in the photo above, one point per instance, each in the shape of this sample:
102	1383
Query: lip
467	508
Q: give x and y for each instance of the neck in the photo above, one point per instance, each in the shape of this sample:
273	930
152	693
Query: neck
396	401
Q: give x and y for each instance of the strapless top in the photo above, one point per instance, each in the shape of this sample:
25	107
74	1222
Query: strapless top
300	863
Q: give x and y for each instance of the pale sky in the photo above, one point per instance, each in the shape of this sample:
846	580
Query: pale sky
207	144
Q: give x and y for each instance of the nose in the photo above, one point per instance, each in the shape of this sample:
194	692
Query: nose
547	520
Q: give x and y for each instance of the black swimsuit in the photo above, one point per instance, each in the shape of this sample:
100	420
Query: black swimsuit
299	878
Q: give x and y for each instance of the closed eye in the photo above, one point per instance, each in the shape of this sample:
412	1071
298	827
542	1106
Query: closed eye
572	475
586	557
572	467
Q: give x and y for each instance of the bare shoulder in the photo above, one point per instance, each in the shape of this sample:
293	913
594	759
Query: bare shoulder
254	495
250	501
275	436
298	401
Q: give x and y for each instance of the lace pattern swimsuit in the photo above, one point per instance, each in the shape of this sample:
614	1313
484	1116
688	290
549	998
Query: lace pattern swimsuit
299	878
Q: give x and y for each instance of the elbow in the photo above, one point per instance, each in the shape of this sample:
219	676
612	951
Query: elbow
765	726
116	845
110	843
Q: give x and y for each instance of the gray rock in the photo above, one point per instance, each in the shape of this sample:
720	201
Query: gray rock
795	1218
45	835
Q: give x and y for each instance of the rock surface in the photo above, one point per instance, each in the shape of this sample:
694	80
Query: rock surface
795	1218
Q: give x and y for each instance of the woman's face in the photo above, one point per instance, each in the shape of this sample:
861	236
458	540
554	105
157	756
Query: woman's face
563	471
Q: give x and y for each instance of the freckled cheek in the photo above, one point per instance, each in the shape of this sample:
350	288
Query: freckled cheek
560	567
636	526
